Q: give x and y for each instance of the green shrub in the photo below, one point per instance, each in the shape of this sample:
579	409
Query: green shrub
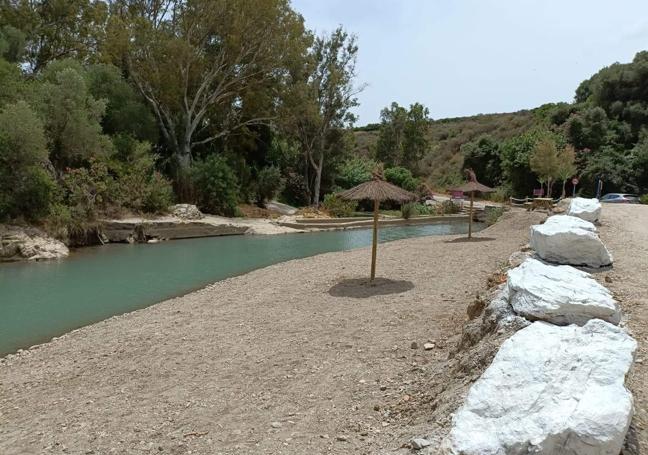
644	199
408	210
402	177
216	186
268	184
501	194
448	207
337	206
493	214
89	192
158	194
355	171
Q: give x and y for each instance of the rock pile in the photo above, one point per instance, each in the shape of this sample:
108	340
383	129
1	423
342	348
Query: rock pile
556	386
186	211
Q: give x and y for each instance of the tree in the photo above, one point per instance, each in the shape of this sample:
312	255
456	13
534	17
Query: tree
26	188
544	162
72	117
393	121
483	156
566	165
416	142
196	62
56	29
322	100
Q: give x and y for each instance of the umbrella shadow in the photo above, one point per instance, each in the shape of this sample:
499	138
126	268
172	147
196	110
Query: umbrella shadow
471	240
363	288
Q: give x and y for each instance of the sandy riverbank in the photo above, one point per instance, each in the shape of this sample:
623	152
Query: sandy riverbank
290	359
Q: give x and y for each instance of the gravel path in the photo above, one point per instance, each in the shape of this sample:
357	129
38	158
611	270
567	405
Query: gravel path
296	358
624	231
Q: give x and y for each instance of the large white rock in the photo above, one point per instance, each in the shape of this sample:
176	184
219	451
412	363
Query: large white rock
569	240
550	390
559	294
587	209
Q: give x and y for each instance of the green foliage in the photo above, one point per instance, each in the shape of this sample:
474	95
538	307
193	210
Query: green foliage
402	177
72	116
493	214
403	135
355	171
644	199
412	209
483	157
216	186
26	188
337	206
12	43
89	191
544	162
449	207
268	184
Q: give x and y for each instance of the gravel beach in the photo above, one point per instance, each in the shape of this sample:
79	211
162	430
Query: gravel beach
299	357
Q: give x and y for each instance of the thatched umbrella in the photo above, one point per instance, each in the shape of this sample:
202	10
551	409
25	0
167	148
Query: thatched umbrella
377	190
471	187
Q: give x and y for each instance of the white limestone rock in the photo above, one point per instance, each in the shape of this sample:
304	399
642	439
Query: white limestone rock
587	209
30	244
566	239
186	211
559	294
550	390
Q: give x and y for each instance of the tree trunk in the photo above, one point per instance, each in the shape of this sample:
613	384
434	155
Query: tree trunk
564	193
318	180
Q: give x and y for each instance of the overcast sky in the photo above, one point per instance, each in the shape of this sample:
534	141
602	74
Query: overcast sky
464	57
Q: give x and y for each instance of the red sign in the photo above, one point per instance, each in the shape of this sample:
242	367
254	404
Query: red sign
575	181
538	192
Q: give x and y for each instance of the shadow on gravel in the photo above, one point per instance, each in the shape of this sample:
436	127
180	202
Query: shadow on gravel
362	288
471	240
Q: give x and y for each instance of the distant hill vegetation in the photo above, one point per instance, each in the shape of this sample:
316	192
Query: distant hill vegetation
443	161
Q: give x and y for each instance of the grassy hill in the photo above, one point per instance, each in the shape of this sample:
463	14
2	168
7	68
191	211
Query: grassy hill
442	164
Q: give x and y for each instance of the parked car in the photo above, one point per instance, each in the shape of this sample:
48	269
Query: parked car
620	198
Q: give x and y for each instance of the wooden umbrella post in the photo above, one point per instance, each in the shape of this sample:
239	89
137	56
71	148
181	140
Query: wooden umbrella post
470	220
374	245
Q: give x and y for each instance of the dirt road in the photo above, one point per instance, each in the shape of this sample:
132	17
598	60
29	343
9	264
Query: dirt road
624	230
296	358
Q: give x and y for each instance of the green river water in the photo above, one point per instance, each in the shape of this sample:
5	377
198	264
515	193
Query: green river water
42	300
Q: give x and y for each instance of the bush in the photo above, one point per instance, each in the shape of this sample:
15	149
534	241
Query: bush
337	206
216	186
89	192
644	199
401	177
448	207
414	209
268	184
493	214
355	171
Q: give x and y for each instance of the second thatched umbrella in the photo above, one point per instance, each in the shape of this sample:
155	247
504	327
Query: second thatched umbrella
471	187
377	190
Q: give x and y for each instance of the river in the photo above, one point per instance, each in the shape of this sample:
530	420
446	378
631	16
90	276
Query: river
42	300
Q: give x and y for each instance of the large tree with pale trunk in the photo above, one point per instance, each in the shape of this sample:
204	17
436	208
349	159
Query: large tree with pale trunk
322	96
206	67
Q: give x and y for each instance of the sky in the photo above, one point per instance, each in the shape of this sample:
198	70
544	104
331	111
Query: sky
466	57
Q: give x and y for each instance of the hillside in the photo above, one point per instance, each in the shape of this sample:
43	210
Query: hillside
442	165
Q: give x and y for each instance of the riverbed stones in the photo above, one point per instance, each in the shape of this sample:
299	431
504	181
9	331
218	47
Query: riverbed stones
550	390
566	239
587	209
30	244
559	294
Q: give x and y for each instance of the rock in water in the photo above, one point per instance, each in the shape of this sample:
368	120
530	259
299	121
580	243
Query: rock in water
569	240
550	390
559	294
587	209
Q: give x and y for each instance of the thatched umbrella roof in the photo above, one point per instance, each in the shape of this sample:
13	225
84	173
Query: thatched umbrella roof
473	186
377	190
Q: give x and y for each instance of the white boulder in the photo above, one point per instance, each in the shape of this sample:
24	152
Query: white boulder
587	209
559	294
186	211
550	390
566	239
18	244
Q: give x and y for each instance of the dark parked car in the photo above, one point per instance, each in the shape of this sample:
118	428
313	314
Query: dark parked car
620	198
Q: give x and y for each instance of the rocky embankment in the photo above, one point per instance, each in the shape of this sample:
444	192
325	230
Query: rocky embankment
29	244
557	384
